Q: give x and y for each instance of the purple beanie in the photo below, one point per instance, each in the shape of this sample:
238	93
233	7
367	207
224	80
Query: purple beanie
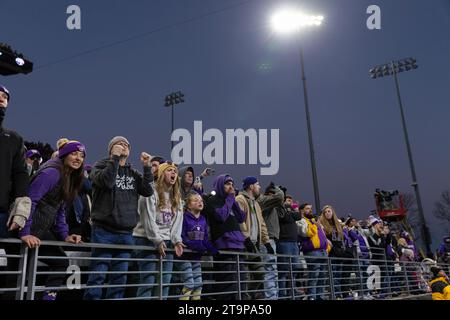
3	89
31	153
70	147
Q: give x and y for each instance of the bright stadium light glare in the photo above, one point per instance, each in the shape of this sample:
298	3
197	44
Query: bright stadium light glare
20	62
289	20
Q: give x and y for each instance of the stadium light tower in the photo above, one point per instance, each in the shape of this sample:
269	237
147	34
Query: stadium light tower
171	100
291	21
392	69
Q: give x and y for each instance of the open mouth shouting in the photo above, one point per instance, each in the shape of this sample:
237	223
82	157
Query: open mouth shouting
173	178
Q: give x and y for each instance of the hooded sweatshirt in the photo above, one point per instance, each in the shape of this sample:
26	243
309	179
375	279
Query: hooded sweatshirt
159	225
115	194
269	204
195	236
224	216
184	190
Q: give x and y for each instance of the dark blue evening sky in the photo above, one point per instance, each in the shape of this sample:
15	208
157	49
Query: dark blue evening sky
216	60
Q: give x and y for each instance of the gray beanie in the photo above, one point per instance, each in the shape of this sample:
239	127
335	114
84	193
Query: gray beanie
116	140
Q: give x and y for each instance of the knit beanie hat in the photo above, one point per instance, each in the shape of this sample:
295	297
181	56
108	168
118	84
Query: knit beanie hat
116	140
158	158
61	142
3	89
163	167
33	153
248	181
70	147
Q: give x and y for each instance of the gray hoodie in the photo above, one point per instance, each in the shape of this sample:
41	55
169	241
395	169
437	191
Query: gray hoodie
158	226
182	173
269	204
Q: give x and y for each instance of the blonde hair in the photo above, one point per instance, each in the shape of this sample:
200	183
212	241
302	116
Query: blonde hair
175	194
327	226
402	242
189	197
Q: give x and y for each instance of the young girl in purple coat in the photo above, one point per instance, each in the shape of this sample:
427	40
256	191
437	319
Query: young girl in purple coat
195	237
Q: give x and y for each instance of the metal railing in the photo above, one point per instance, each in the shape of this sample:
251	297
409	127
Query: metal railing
65	268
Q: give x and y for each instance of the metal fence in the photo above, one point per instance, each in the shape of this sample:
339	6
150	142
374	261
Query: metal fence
26	274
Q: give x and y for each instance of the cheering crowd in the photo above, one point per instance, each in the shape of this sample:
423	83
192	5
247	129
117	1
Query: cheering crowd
166	208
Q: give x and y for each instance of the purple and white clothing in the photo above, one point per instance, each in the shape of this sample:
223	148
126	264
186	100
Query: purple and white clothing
158	225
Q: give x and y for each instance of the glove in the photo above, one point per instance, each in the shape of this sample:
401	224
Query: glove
269	248
213	251
250	246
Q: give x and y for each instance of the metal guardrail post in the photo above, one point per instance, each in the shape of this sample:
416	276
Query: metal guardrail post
21	278
32	268
388	276
330	277
160	275
360	273
239	276
291	274
406	278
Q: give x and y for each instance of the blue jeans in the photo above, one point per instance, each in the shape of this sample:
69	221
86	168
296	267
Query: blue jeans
192	275
336	267
271	275
100	235
288	248
316	272
363	265
151	266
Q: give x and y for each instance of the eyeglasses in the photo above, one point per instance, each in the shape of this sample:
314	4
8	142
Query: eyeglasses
123	144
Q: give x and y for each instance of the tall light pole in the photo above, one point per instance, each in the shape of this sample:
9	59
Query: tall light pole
392	69
171	100
289	21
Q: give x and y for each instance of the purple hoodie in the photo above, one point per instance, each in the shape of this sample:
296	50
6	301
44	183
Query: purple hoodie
195	236
224	216
45	181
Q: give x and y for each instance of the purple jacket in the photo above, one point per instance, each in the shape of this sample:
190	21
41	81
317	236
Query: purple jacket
45	181
224	216
356	236
195	236
315	238
412	246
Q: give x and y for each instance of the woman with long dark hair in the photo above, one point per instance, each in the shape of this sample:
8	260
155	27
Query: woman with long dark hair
52	188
